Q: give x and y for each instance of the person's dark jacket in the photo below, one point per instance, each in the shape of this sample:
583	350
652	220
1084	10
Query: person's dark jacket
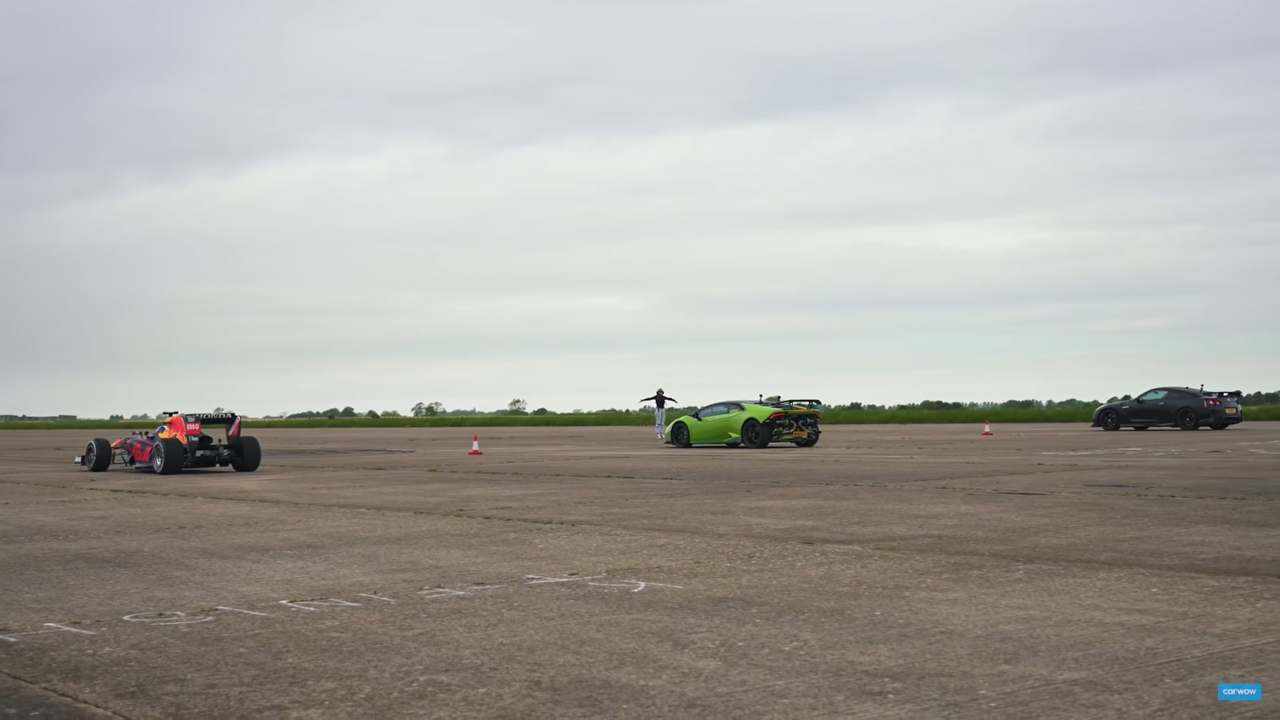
660	400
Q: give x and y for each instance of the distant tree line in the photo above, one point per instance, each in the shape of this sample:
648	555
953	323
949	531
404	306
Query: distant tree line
519	406
1262	398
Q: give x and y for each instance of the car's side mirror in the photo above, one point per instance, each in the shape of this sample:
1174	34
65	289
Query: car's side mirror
1139	400
696	416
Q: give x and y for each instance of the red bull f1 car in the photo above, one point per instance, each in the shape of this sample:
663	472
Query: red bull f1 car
180	442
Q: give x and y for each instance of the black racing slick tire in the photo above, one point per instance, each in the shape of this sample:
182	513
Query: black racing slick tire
97	455
680	435
1110	421
1141	427
808	442
1187	420
755	435
1219	426
168	457
246	454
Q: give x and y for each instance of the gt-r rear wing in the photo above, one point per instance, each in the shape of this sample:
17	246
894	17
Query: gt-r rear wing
1236	394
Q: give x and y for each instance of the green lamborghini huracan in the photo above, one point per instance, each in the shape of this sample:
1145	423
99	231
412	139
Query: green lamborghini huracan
750	424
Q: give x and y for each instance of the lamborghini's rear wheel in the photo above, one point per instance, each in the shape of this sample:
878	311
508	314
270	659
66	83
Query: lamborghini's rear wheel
168	456
680	435
246	454
755	435
97	455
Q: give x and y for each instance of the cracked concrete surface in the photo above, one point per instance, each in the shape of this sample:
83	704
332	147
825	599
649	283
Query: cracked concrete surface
892	571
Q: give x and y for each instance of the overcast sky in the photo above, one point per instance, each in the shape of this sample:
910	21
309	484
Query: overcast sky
272	207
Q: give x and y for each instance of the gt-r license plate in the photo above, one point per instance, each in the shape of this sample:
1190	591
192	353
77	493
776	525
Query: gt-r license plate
1231	411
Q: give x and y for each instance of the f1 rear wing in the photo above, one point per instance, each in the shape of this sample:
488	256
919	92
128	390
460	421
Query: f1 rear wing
217	418
222	418
229	420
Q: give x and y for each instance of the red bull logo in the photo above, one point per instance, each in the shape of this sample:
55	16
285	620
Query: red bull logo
177	427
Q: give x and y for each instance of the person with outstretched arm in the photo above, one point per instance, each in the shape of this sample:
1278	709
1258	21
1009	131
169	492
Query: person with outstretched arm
660	400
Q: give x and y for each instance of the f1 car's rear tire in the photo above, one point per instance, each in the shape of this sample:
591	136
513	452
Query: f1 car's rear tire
168	456
246	454
1110	421
1187	420
680	435
808	442
755	435
97	455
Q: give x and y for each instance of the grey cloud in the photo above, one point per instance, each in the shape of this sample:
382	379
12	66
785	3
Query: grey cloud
381	205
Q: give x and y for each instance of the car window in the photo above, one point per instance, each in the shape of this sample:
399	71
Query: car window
1153	395
734	407
713	410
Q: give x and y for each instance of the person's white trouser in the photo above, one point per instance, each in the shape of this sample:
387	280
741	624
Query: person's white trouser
659	420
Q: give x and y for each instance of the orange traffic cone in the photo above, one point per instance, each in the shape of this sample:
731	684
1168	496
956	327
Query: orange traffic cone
475	445
986	429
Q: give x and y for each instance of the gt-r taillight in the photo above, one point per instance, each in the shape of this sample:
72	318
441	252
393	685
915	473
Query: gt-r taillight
775	416
1212	402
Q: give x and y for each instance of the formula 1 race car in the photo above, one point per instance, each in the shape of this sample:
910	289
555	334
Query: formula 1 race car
178	443
750	424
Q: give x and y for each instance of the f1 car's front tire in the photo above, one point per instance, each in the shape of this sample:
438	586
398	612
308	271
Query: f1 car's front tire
755	435
97	455
168	456
680	435
246	454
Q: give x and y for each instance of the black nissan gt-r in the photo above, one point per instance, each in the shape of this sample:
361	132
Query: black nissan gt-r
1181	407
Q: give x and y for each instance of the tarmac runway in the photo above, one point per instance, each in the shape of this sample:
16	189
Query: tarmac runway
1052	571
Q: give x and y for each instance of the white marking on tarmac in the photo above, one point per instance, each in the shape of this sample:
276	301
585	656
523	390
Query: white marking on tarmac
246	612
175	617
541	579
13	637
635	585
69	629
328	602
432	593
